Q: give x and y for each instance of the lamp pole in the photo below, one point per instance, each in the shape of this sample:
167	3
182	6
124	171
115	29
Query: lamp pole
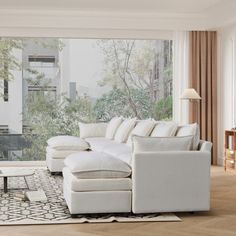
192	96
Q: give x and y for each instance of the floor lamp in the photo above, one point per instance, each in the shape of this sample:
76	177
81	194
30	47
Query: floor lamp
191	95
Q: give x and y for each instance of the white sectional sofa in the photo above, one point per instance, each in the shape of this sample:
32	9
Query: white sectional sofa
133	166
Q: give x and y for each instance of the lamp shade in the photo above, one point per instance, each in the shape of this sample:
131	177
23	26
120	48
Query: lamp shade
190	94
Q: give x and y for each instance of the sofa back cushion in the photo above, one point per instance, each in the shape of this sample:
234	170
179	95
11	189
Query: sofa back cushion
92	130
190	129
113	126
155	144
124	130
143	128
164	129
96	165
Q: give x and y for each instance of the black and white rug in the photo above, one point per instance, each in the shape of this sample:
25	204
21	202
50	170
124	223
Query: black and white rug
54	210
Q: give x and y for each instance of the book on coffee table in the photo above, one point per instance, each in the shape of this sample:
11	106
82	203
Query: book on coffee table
20	196
36	196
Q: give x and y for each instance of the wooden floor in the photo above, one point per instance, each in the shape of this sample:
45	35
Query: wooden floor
221	220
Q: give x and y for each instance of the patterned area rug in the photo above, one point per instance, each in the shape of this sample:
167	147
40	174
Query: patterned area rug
54	210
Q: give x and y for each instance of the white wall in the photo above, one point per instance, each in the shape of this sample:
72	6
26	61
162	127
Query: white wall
64	65
11	111
226	85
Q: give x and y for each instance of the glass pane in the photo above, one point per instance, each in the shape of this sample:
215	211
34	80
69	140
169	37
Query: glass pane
56	83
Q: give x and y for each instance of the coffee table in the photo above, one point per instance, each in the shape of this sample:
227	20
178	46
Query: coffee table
7	173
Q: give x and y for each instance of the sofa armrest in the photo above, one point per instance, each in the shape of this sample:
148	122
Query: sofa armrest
171	181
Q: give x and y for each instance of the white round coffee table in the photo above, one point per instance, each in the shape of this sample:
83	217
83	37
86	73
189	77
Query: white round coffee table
6	173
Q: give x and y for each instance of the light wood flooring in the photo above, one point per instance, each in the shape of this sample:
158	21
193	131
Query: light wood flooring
221	220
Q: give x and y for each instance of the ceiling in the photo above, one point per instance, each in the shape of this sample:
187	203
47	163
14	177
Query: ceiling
142	17
154	6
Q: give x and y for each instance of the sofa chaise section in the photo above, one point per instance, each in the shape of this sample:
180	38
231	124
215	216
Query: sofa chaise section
95	182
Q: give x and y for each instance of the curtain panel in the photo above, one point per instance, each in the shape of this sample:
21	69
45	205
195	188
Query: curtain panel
203	78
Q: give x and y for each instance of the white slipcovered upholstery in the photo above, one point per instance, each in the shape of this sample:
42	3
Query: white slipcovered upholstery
111	147
155	144
126	157
84	185
166	176
58	154
143	128
91	165
65	142
164	129
60	147
98	144
113	126
180	181
96	202
124	130
117	149
190	129
92	130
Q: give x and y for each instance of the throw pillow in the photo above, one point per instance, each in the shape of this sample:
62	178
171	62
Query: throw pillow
164	129
190	129
124	130
92	130
143	128
113	126
155	144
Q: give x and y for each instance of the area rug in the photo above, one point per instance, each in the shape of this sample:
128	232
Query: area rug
54	210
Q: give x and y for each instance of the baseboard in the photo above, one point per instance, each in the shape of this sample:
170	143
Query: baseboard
220	161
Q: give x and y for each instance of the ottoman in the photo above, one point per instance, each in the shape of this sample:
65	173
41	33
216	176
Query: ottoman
96	182
59	147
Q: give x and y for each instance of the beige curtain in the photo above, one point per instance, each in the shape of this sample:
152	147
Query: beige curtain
203	77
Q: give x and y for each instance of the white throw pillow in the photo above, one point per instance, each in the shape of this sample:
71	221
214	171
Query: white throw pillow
113	126
96	165
164	129
143	128
92	130
124	130
155	144
190	129
64	142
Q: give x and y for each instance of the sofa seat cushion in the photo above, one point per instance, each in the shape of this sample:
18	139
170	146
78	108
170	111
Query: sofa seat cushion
117	149
126	157
96	165
58	154
99	143
66	142
88	185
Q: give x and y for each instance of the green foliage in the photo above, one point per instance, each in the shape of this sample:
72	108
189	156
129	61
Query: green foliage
115	103
163	109
48	117
8	62
112	104
136	67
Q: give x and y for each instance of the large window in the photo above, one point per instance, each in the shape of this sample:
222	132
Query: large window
53	84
